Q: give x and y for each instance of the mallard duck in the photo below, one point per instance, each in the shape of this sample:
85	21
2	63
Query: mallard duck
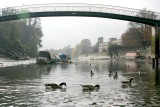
115	76
90	87
127	82
55	86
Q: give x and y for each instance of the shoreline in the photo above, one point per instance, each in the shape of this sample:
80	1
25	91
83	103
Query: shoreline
6	62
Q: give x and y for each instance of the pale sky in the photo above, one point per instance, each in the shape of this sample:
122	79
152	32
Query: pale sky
62	31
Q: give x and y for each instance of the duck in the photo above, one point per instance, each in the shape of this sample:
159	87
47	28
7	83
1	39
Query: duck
110	73
127	82
91	73
115	76
139	66
90	87
140	72
70	62
55	86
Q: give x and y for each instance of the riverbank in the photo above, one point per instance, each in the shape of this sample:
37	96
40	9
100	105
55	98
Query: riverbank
6	62
98	56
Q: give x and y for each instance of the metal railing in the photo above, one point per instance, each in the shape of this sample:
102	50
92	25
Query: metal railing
82	8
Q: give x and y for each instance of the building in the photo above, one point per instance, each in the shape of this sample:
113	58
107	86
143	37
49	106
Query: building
112	39
117	41
103	47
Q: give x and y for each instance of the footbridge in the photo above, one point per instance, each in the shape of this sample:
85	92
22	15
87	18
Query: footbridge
78	9
87	10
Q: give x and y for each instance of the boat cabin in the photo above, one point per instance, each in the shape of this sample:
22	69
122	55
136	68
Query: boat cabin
43	57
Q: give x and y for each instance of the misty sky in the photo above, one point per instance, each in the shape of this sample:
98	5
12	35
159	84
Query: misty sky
62	31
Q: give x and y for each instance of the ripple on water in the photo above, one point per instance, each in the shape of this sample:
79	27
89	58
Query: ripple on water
27	89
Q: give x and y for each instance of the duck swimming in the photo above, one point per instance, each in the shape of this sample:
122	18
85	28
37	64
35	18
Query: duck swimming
110	73
127	82
115	76
90	87
91	73
140	72
55	86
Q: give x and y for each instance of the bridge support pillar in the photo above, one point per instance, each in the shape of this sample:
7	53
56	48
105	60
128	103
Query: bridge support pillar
155	46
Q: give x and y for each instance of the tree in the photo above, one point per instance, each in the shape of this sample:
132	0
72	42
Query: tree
32	34
95	48
76	51
67	50
20	36
143	31
131	38
113	50
85	47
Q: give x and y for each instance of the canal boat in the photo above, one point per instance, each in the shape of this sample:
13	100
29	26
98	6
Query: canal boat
43	57
55	58
65	58
132	55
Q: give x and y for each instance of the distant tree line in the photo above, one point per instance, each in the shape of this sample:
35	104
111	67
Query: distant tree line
66	50
84	48
21	36
138	35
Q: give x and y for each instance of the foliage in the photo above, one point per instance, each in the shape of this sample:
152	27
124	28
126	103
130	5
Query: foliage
113	50
66	50
84	48
131	38
76	51
138	34
21	36
95	48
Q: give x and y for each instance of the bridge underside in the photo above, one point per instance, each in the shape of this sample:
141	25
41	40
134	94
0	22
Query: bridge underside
80	14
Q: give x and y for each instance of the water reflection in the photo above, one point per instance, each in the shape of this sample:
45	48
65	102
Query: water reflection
157	76
24	85
20	72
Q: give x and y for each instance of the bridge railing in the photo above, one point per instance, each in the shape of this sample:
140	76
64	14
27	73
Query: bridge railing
82	7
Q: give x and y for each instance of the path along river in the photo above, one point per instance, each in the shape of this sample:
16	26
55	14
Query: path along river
23	84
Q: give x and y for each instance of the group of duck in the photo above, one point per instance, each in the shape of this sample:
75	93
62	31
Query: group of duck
115	76
63	85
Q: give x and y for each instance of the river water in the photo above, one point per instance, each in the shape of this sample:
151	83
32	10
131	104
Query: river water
23	85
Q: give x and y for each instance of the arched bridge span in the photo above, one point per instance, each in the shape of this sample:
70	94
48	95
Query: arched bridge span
88	10
78	9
